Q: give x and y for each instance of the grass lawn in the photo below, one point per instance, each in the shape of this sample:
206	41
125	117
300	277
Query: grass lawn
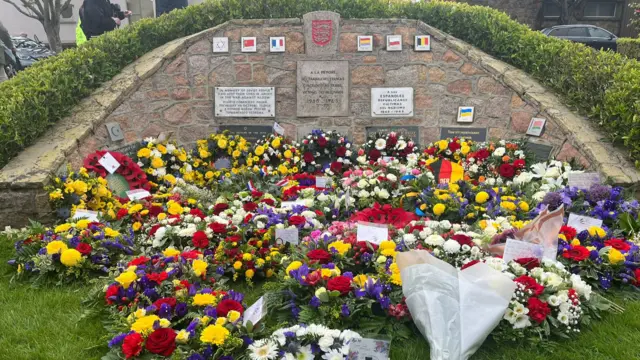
42	323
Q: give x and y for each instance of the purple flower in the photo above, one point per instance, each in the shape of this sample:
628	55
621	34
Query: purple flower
117	340
247	340
290	334
210	311
220	270
150	309
598	193
315	302
345	310
384	302
605	281
181	309
553	200
196	356
234	295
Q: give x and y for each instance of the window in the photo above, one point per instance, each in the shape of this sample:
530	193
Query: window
600	9
599	33
578	32
552	10
560	32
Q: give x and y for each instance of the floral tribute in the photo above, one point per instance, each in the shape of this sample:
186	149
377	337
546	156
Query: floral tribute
231	216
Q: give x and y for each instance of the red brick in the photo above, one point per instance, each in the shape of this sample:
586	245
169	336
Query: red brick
469	69
179	65
256	58
348	43
520	121
450	56
240	58
459	87
157	94
369	59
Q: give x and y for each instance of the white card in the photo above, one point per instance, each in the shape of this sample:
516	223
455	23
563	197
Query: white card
368	349
249	44
465	114
290	204
394	42
516	249
86	214
373	233
220	44
422	43
278	129
109	162
254	313
536	126
584	180
138	194
581	223
288	235
323	182
365	43
276	44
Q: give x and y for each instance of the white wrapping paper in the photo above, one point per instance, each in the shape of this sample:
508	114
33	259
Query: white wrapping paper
454	310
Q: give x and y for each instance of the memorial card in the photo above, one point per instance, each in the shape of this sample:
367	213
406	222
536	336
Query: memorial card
516	249
536	126
391	102
581	223
368	349
465	114
394	42
289	235
86	214
373	233
138	194
584	180
276	44
245	102
365	43
255	312
278	129
422	43
220	44
249	44
109	163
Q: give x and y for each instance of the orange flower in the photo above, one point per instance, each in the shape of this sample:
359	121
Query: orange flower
506	158
482	179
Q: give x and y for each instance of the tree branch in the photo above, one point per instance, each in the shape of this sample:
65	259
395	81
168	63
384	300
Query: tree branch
64	6
29	4
33	16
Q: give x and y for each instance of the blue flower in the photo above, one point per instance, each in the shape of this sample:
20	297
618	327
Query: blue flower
345	310
315	302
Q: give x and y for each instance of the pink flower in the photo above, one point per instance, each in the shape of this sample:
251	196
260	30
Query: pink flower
368	172
315	234
347	182
415	172
357	172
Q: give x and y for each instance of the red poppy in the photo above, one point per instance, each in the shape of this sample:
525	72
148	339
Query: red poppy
227	305
507	171
618	244
576	253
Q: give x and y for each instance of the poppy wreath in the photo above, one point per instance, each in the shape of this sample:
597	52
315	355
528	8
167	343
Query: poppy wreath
327	152
129	169
392	145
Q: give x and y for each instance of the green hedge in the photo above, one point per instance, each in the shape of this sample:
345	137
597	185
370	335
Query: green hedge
604	86
629	47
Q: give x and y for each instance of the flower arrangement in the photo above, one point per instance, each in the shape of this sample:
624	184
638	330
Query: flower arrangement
327	152
274	155
159	159
223	150
388	147
128	171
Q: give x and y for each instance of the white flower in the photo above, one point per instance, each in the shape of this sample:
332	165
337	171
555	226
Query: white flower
465	248
325	343
580	286
553	300
333	355
401	145
381	144
263	350
409	239
304	353
363	194
347	335
392	177
322	197
563	317
363	183
521	322
434	240
520	309
383	194
445	224
412	158
499	152
451	246
553	280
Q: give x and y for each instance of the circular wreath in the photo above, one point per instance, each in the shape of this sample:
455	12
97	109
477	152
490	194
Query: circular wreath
325	151
128	172
274	154
392	145
223	150
159	159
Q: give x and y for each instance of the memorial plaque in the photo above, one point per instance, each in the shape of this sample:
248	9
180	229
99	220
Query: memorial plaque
245	102
475	134
323	88
249	132
391	102
321	33
541	151
409	132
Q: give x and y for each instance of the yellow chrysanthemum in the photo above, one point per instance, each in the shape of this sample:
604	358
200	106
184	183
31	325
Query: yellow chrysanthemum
482	197
109	232
170	179
524	206
82	224
199	267
275	143
174	208
144	325
161	148
236	154
237	265
204	300
171	251
157	162
136	226
465	150
249	273
126	278
222	144
56	247
214	334
388	248
439	209
233	316
62	228
144	153
70	257
340	246
293	266
288	154
259	151
508	205
135	209
55	195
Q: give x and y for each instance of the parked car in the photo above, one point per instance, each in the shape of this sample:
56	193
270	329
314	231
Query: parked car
589	35
29	51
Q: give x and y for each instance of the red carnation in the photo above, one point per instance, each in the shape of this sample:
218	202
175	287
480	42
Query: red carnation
431	151
197	212
122	213
392	140
200	239
538	310
307	157
112	292
507	170
162	342
530	284
336	166
84	248
191	255
140	260
227	305
482	154
218	208
528	263
158	278
453	146
463	239
218	228
155	210
374	154
171	301
250	206
576	253
520	163
469	264
322	141
320	255
296	220
340	283
256	194
568	232
341	151
132	345
618	244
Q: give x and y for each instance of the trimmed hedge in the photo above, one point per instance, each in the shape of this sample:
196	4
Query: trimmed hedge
603	85
629	47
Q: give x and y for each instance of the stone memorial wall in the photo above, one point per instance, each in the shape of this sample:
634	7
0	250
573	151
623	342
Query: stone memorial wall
354	76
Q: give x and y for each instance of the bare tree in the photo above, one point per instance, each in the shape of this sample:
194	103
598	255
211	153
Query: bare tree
568	9
48	13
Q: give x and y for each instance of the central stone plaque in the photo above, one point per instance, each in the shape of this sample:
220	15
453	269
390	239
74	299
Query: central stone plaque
391	102
323	88
245	102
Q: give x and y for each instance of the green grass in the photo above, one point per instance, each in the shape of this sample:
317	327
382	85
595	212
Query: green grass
43	323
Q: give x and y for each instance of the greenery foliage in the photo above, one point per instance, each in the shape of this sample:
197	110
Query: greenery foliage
629	47
604	85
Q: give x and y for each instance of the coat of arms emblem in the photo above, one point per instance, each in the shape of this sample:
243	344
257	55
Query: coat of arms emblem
321	31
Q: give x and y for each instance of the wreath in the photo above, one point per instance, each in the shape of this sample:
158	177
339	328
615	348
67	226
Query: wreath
392	146
327	152
223	150
274	154
128	176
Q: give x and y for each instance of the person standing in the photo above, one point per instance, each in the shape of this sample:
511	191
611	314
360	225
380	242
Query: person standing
6	39
165	6
99	16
